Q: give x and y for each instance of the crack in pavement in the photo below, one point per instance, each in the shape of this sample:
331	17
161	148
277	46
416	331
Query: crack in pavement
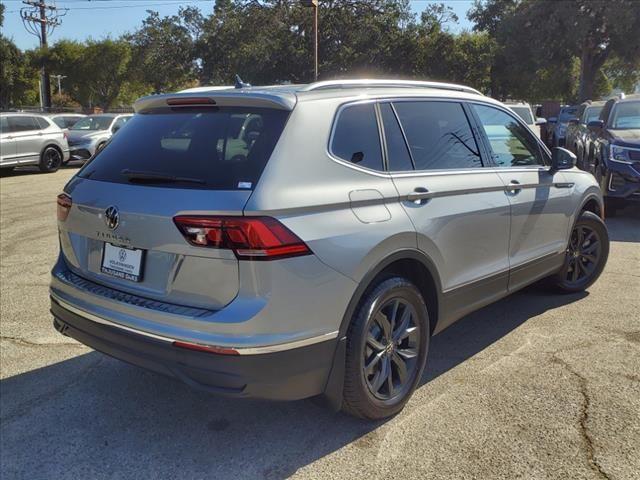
29	343
584	417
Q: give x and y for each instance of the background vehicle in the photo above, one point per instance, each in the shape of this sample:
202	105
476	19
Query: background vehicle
356	219
578	134
66	120
615	153
31	139
90	134
523	110
561	122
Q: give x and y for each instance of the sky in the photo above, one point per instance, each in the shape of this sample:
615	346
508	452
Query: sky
101	18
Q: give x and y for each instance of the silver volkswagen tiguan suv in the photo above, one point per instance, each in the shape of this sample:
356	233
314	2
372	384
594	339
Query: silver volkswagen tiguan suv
293	241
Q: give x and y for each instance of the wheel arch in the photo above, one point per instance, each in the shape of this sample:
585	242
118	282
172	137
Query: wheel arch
410	263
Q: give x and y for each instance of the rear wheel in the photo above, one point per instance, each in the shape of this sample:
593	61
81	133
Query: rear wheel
387	345
586	254
50	160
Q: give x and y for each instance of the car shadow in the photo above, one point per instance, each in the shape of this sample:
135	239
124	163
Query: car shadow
92	416
31	170
625	226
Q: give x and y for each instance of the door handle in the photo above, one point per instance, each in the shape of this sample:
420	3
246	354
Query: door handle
419	195
512	188
563	184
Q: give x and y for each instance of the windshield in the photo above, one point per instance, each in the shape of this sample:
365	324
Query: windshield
591	114
221	148
99	122
626	115
524	113
567	114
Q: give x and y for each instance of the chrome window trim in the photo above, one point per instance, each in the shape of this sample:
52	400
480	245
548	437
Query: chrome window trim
241	350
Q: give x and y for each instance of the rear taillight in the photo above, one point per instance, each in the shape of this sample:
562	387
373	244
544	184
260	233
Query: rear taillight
64	205
250	238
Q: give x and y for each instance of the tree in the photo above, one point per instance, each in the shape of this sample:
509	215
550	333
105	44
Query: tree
96	71
163	52
539	42
17	79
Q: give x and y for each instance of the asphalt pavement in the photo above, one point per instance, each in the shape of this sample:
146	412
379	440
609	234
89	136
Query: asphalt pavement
536	386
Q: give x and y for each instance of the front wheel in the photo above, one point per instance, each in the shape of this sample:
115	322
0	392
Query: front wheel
50	160
387	346
586	254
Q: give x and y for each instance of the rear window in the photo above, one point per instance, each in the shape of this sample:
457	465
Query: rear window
217	148
524	113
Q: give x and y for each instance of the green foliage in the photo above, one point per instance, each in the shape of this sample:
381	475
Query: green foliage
525	49
96	70
163	53
542	40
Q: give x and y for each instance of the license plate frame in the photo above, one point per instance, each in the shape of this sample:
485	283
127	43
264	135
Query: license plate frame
116	256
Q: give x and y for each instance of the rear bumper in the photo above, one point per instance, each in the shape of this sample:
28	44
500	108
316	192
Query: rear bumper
285	375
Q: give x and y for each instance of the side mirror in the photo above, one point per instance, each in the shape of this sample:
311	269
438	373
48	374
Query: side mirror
574	121
541	121
562	159
595	124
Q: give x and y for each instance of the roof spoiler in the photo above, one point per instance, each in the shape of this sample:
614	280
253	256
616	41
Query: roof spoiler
217	98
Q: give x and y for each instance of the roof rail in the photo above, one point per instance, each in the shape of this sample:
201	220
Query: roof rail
372	83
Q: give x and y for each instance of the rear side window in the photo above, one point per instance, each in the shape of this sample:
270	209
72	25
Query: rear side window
216	148
4	125
356	138
23	124
397	152
439	135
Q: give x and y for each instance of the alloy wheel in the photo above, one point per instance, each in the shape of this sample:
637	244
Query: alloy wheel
391	350
52	158
583	254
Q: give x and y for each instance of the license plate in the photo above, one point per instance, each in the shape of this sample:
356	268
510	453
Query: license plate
121	262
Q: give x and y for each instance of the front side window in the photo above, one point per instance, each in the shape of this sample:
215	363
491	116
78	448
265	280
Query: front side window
356	138
4	125
439	135
512	145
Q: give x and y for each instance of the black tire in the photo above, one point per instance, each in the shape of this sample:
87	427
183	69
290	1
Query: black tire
50	160
586	255
399	351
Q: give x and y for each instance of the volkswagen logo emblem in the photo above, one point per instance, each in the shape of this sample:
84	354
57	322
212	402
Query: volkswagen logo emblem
111	217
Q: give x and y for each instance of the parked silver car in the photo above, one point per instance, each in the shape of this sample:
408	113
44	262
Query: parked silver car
91	134
31	139
66	120
349	222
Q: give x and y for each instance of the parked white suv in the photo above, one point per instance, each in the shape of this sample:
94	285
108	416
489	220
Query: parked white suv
523	110
31	139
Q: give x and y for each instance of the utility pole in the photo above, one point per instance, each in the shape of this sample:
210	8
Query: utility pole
314	5
41	19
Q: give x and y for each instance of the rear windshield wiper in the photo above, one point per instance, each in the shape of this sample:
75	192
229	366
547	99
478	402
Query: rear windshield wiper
151	177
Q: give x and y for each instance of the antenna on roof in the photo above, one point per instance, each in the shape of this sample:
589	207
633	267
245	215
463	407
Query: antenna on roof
240	83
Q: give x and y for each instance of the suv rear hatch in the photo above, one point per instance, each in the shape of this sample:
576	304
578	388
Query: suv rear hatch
117	218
